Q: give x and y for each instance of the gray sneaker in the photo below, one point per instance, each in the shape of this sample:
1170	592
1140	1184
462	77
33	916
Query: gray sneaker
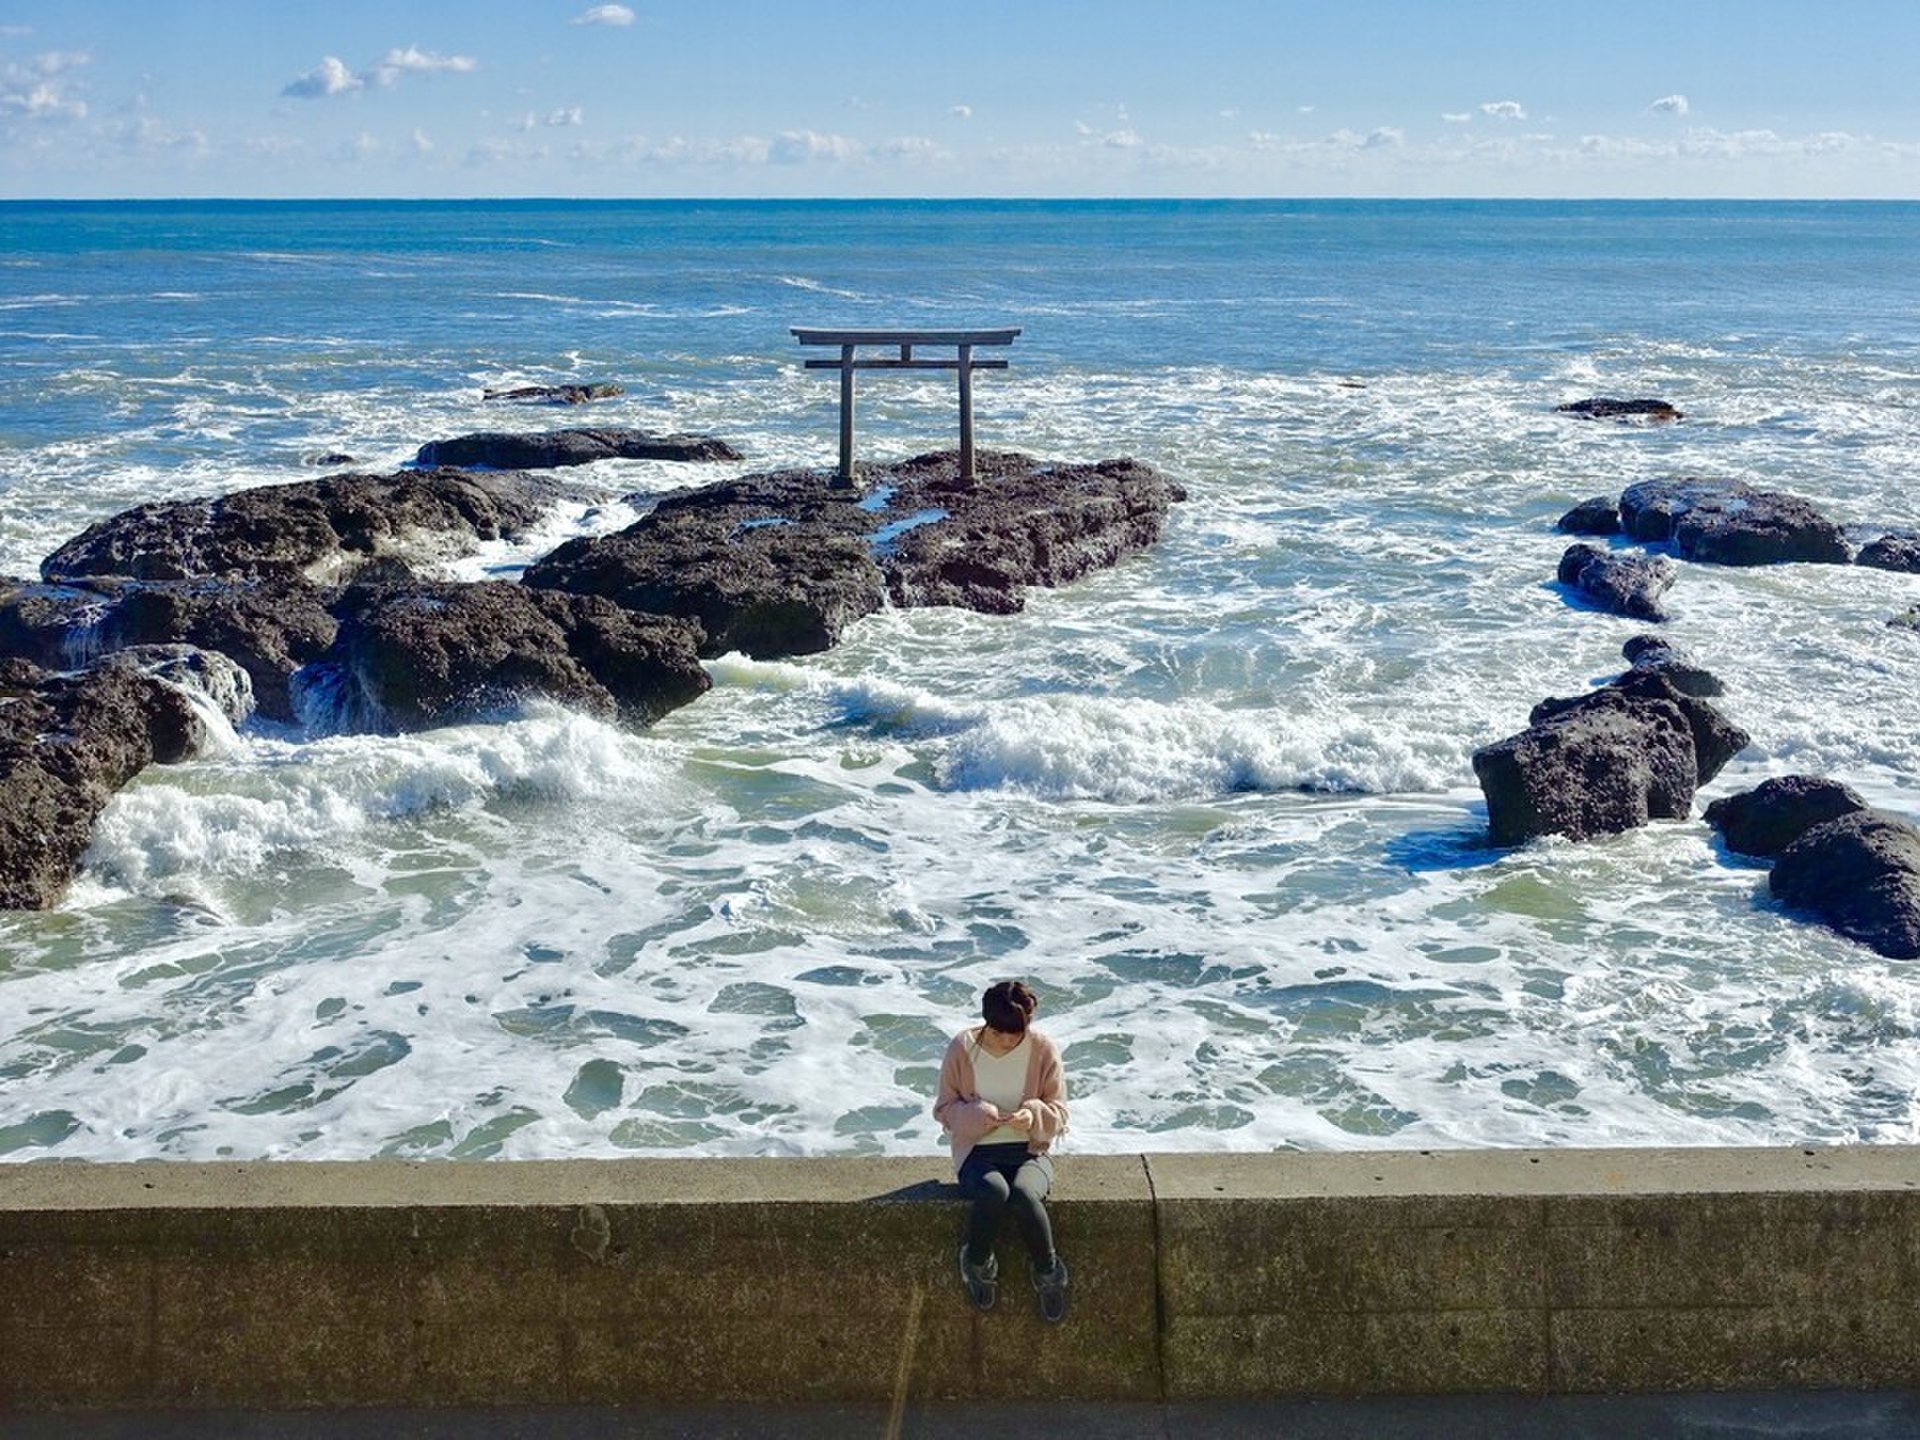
982	1281
1051	1287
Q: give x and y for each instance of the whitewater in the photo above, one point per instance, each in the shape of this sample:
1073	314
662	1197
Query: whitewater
1215	805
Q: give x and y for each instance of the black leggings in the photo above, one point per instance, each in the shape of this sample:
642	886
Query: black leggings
1002	1177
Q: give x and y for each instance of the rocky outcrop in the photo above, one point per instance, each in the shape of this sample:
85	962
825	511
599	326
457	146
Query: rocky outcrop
69	741
322	530
1859	873
1645	412
1764	821
552	449
410	658
1610	760
556	394
1721	522
1898	551
1624	584
1656	654
781	564
1598	515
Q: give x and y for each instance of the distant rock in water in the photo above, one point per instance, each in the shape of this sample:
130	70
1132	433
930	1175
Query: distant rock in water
1898	551
781	563
1859	873
1596	516
1624	584
553	449
1906	619
331	458
1723	522
321	530
1767	819
1646	412
422	656
556	394
69	741
1604	762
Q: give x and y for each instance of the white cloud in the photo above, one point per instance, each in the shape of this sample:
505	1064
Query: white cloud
330	77
569	115
800	147
1464	117
1504	110
605	15
1670	105
415	61
39	101
961	112
913	147
422	143
1306	109
1381	137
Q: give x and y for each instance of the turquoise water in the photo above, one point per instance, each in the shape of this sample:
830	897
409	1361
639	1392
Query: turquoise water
1215	804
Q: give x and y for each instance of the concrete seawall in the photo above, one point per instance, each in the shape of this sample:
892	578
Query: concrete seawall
292	1285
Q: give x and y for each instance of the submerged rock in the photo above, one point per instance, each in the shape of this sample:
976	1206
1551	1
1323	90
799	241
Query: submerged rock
1625	584
1859	873
68	742
1721	522
1597	515
1604	408
1900	551
780	564
556	394
320	530
1767	819
1654	653
423	656
551	449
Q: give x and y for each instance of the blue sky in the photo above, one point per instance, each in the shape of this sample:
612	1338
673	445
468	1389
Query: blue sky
840	97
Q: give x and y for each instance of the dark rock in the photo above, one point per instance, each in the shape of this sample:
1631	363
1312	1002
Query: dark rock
1892	552
1650	652
331	457
270	628
550	449
1624	584
556	394
312	530
67	743
1906	620
1716	739
1860	873
1727	523
410	659
1610	763
1766	820
1602	408
781	564
1596	516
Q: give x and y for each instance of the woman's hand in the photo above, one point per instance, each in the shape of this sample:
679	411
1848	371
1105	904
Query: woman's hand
1019	1120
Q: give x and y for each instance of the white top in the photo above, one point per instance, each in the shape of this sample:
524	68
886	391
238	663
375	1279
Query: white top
1002	1082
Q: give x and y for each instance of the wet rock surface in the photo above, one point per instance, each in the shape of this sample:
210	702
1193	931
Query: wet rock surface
419	656
1767	819
1598	515
1610	760
321	530
556	394
555	449
781	564
1600	407
1860	874
1892	552
1622	583
67	743
1723	522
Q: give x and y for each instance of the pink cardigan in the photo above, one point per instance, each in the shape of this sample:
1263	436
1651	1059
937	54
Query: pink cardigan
966	1117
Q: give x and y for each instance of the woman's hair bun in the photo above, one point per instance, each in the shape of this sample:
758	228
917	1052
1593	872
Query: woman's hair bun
1008	1006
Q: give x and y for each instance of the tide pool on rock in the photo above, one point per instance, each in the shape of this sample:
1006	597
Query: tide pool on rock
1217	802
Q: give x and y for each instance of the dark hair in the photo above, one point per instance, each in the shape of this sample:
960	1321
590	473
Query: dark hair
1008	1006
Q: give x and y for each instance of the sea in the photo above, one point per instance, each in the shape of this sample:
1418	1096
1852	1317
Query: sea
1215	805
